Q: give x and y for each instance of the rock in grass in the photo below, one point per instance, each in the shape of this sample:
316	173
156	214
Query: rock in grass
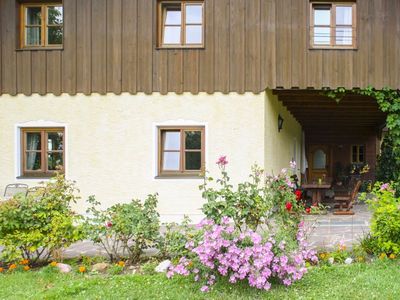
64	268
348	261
100	267
163	266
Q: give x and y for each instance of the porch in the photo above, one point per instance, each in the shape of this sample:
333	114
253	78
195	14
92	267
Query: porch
341	139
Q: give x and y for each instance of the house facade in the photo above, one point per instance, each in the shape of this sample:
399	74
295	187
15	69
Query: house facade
131	97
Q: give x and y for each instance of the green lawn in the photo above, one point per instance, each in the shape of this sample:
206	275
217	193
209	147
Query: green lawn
379	280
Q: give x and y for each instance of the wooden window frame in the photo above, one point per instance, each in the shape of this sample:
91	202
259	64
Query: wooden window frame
358	154
161	24
43	172
333	26
182	172
43	26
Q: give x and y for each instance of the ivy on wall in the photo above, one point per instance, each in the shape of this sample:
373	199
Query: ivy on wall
389	102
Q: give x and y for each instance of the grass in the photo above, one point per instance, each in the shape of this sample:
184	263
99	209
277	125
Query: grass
378	280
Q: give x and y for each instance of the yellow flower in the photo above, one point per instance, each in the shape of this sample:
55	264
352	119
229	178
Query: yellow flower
12	267
26	268
382	256
82	269
1	270
322	255
24	262
360	259
392	256
121	264
53	264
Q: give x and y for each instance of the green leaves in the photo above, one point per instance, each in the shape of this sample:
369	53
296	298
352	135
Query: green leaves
45	221
385	223
130	227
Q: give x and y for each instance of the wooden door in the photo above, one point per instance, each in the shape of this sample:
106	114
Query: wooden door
318	163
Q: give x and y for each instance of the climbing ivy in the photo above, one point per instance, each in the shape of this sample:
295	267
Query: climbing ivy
389	102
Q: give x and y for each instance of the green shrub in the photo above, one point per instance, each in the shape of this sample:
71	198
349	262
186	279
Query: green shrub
36	226
388	164
124	229
177	237
385	222
262	201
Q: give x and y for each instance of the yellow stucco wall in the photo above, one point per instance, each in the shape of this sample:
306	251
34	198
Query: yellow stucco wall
111	141
280	146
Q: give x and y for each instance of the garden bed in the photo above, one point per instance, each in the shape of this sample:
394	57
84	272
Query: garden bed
376	280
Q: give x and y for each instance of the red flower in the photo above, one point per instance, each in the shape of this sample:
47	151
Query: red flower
298	194
308	210
289	206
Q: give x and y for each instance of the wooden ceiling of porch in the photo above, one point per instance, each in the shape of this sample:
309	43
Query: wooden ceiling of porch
318	112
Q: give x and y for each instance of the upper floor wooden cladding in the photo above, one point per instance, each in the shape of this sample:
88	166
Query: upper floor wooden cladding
249	45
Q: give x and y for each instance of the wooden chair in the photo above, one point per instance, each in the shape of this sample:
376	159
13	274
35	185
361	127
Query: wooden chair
347	201
15	189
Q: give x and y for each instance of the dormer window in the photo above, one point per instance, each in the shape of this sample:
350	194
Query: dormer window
41	25
180	24
333	25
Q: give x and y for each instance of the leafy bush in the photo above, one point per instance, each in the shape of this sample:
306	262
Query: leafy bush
177	237
226	252
124	229
388	165
385	222
254	203
34	227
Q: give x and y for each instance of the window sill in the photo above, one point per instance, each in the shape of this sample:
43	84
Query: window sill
333	48
41	176
179	177
39	49
180	48
34	177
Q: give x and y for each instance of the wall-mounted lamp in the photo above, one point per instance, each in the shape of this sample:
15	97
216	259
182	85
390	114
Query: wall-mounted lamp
280	123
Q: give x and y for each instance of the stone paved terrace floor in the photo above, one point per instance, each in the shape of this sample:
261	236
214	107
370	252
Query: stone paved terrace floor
331	229
327	232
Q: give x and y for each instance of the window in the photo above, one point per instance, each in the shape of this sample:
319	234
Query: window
180	24
181	151
42	151
333	25
41	25
358	154
319	162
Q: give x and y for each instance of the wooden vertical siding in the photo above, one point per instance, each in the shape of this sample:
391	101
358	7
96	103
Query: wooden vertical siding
250	45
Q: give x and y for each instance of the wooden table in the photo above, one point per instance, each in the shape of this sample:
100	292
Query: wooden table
317	190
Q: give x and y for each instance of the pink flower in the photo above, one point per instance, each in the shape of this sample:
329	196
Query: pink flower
204	289
222	161
384	186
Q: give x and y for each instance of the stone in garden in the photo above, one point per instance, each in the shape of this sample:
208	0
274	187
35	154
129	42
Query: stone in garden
163	266
331	260
64	268
348	261
100	267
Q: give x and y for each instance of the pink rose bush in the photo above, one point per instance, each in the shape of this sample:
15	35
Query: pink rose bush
243	256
